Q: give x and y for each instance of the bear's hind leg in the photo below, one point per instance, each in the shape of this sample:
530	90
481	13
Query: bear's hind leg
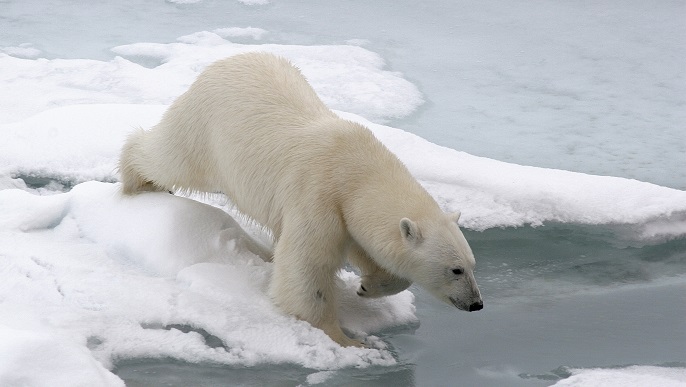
376	281
303	279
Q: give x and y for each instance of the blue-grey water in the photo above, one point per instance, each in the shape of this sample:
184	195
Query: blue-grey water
595	87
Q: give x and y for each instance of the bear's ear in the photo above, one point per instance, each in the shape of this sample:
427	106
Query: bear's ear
455	216
410	231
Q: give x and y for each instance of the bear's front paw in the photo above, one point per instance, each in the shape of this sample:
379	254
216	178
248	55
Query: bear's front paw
337	335
374	287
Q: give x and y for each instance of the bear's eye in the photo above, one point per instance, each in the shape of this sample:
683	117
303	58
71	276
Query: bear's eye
458	271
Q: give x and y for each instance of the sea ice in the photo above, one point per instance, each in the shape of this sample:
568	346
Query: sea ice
634	376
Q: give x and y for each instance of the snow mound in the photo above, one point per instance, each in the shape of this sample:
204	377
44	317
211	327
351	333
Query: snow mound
92	277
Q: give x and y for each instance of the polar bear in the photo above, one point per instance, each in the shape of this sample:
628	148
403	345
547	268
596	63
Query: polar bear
251	127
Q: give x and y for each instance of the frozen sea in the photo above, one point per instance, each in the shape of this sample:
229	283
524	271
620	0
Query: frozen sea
558	128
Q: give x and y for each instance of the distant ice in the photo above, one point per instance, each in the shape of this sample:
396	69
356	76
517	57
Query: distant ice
357	42
232	32
634	376
254	2
246	2
22	51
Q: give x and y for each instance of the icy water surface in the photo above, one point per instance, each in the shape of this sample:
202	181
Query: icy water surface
556	297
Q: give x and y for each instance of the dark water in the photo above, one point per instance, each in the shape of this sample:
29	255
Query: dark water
555	297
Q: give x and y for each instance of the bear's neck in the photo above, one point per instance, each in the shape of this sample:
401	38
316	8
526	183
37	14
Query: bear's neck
373	216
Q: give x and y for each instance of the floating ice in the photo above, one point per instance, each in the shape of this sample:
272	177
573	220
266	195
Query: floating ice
254	2
22	51
234	32
634	376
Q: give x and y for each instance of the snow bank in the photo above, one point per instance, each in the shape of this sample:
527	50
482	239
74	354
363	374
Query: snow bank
91	277
635	376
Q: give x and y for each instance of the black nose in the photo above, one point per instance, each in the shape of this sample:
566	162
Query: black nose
476	306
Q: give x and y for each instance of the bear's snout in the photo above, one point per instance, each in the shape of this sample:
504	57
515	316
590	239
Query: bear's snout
476	306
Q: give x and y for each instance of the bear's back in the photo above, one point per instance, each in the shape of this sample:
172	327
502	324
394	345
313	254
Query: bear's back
252	127
256	87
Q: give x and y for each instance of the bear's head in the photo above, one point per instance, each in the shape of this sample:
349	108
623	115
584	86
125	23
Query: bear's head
441	260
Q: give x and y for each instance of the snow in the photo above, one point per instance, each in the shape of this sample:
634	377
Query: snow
634	376
89	274
184	1
44	359
254	2
22	51
348	78
234	32
90	277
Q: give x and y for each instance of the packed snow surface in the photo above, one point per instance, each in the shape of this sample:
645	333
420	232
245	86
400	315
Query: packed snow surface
149	276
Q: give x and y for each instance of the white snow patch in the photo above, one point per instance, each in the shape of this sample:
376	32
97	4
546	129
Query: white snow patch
346	77
319	377
634	376
238	32
97	277
254	2
44	358
23	50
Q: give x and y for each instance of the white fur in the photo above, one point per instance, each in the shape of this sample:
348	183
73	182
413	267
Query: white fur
252	127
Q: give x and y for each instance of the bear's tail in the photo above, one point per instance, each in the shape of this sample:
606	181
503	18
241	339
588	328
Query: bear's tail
132	163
